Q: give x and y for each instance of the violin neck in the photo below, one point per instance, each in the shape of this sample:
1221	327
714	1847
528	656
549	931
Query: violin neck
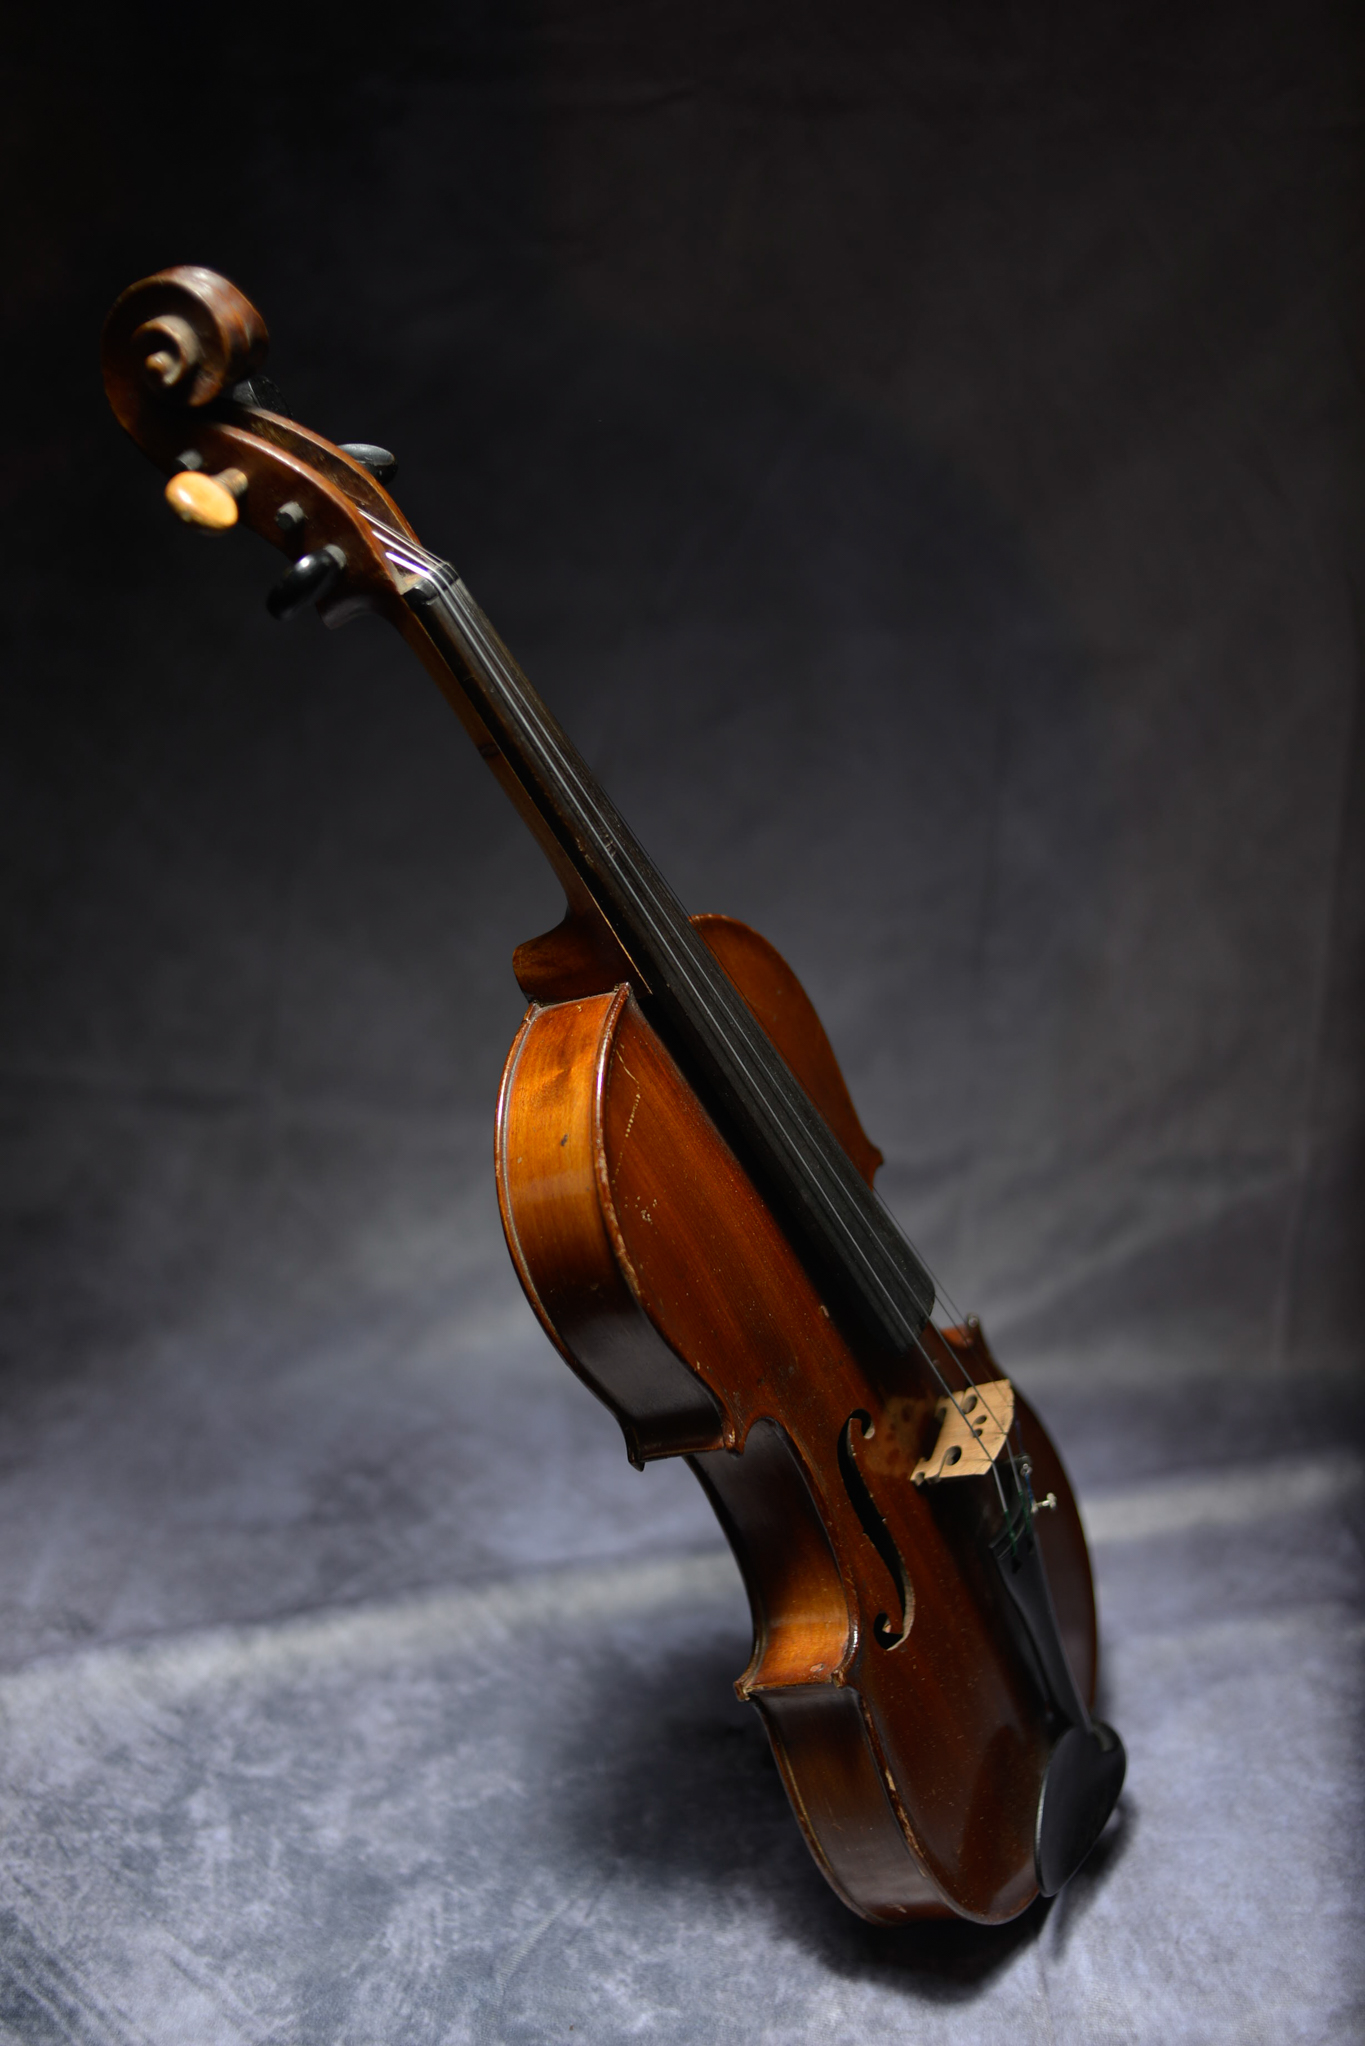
784	1142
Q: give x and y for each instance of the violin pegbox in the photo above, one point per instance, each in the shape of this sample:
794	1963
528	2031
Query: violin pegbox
182	353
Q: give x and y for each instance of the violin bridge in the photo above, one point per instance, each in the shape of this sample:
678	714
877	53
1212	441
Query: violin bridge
973	1427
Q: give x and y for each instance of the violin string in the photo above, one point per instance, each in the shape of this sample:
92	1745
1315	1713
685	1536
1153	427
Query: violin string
408	554
748	1048
665	905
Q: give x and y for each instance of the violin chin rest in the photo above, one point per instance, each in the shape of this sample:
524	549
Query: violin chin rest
1080	1789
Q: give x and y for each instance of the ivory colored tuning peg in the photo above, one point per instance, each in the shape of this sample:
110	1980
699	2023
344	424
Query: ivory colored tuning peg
209	502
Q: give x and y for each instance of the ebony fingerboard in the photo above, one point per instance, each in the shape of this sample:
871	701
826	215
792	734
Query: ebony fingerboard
782	1139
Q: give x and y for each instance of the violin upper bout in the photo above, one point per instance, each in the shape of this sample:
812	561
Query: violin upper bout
780	1003
580	956
564	1237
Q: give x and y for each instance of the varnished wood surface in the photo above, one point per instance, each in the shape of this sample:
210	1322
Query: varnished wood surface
787	1013
666	1281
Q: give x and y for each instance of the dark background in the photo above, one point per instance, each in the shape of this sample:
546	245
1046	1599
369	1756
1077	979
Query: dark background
917	451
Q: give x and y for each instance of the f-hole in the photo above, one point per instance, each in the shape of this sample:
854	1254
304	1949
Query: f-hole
877	1532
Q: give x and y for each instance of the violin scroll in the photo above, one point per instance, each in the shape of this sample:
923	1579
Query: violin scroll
180	338
182	353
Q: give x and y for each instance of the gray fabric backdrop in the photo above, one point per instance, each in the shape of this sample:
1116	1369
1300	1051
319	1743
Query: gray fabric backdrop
918	453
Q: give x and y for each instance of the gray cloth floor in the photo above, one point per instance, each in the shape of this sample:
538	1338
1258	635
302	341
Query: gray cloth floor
370	1696
917	453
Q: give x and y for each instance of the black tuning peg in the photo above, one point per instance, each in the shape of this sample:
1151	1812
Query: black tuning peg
381	464
258	394
307	582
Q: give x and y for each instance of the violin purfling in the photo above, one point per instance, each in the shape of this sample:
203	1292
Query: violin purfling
687	1196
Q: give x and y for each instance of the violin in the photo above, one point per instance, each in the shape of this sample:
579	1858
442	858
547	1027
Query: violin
687	1196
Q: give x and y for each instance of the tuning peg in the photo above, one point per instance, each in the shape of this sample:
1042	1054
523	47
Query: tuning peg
258	394
381	464
309	580
209	502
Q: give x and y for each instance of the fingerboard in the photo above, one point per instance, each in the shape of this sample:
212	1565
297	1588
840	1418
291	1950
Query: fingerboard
782	1139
